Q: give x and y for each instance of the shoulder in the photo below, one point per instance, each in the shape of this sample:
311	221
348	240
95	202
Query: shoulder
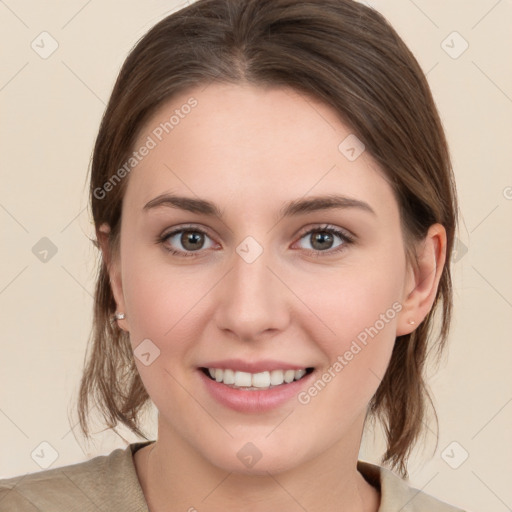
105	482
396	494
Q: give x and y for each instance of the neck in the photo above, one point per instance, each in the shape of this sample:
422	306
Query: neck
176	478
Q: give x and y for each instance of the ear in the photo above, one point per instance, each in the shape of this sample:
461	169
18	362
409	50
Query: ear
113	266
422	282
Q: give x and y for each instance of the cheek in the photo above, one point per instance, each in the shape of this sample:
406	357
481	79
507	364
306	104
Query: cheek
360	307
163	303
161	300
354	301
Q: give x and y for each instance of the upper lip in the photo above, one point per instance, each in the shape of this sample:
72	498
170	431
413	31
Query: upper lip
253	366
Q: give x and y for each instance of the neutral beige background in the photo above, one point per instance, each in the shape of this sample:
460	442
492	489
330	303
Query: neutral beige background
51	109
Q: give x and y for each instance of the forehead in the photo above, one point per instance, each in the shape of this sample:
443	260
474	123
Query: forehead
248	143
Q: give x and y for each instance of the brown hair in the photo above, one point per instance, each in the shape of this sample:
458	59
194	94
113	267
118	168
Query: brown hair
340	52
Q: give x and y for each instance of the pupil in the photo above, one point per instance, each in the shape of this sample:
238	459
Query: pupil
322	237
191	237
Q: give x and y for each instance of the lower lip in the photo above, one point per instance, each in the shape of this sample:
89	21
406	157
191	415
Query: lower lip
254	401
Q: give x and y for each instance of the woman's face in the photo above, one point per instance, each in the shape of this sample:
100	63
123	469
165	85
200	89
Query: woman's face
264	287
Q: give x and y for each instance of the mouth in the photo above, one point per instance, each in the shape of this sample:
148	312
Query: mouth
255	381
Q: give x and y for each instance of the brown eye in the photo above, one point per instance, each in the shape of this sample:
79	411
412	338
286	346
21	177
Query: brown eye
322	239
192	240
184	242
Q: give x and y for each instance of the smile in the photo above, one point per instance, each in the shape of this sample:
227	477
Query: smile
255	381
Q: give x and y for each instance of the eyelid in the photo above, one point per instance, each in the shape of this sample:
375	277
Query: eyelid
316	227
185	227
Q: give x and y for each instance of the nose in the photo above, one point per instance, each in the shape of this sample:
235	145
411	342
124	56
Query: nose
252	301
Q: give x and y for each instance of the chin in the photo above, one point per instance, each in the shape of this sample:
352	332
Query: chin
254	458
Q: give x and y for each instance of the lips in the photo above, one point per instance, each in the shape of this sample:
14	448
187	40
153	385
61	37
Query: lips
254	386
253	399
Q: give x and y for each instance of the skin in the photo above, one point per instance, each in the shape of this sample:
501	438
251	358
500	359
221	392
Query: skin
250	150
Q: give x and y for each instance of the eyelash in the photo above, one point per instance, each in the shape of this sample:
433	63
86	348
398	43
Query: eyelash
345	237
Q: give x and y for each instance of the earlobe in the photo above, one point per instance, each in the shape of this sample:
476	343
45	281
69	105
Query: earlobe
112	265
424	280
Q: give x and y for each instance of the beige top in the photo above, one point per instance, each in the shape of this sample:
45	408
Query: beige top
109	483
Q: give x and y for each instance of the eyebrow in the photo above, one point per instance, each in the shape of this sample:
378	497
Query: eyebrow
291	208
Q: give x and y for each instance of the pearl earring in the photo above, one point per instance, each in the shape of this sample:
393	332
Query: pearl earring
117	316
411	322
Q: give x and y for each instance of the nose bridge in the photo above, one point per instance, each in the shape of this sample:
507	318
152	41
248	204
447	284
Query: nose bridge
251	276
251	297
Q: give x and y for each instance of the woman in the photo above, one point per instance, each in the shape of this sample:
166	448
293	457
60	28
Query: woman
240	138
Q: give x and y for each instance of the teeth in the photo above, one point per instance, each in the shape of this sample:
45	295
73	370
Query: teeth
228	377
241	378
289	375
260	380
299	374
276	377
